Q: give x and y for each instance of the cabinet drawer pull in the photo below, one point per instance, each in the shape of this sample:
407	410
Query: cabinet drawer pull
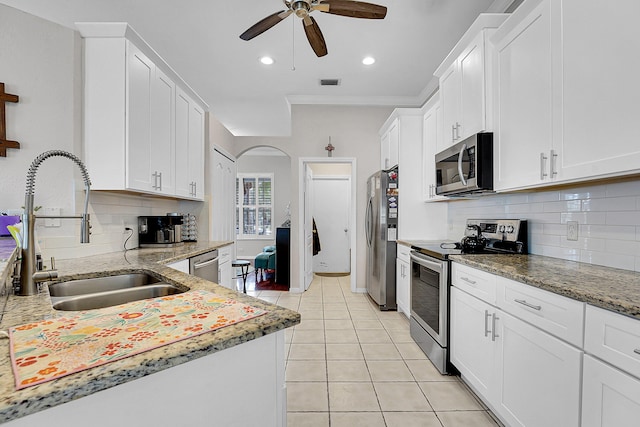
486	323
525	303
466	279
637	351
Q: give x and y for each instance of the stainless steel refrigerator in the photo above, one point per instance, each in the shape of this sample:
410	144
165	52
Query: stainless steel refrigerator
381	227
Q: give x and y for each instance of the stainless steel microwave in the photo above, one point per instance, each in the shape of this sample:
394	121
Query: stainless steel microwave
466	167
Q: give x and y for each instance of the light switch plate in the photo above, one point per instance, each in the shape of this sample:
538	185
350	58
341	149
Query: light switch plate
572	230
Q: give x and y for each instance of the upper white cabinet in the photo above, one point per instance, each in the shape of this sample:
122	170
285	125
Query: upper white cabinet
565	95
190	147
432	143
389	145
134	129
527	115
465	77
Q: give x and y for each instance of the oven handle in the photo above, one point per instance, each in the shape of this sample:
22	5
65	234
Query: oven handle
460	156
422	260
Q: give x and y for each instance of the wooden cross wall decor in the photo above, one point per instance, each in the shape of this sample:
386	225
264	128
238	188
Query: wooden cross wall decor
4	144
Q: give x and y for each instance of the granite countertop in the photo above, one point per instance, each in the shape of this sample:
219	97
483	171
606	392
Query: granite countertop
20	310
605	287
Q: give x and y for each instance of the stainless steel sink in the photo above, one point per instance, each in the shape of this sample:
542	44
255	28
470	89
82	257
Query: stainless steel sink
100	292
100	284
111	298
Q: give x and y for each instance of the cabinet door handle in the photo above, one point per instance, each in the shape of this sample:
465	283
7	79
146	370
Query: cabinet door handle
552	163
527	304
160	186
486	323
457	130
637	351
466	279
453	132
155	180
543	161
493	327
195	188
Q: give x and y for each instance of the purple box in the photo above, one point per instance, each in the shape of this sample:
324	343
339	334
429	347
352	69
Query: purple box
7	220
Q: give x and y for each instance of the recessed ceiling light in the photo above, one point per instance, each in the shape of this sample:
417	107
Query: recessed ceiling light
267	60
369	60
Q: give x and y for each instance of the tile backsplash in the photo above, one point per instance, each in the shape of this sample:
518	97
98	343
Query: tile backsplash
608	217
110	214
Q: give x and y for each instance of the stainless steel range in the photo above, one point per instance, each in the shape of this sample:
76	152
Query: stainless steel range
430	281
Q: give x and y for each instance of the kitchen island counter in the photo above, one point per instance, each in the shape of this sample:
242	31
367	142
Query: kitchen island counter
609	288
20	310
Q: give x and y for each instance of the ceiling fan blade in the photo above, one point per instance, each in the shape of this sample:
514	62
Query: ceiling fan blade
353	9
263	25
315	37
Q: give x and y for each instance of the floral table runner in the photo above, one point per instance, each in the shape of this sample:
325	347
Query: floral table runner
49	349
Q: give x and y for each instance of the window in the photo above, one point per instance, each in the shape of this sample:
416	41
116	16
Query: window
254	205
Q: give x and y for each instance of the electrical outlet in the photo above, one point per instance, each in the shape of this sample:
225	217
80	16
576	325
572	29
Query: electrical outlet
572	230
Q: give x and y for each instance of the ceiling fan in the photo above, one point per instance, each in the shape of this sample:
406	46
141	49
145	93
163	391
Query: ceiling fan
303	8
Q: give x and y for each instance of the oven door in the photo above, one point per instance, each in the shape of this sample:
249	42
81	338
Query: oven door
429	295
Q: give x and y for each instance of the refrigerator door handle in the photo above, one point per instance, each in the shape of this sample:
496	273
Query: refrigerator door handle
367	223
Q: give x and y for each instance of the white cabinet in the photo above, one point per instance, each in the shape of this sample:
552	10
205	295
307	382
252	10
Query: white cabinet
389	145
527	376
561	114
527	109
403	280
473	348
610	397
465	78
130	117
190	147
182	265
611	387
223	196
538	376
432	143
225	278
600	89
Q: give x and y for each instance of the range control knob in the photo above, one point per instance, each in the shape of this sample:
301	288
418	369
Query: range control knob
510	229
501	228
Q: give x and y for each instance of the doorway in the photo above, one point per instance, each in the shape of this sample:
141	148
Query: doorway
331	209
307	197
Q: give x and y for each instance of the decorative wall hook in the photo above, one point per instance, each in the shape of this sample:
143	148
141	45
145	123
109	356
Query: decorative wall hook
329	148
4	144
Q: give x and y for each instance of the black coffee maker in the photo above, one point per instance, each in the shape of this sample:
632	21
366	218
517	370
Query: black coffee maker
155	231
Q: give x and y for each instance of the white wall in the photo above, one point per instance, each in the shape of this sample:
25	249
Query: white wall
608	217
280	167
41	62
354	133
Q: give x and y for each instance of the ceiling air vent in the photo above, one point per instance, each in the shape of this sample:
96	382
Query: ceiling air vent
329	82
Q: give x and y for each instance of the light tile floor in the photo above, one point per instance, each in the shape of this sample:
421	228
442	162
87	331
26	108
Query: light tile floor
349	364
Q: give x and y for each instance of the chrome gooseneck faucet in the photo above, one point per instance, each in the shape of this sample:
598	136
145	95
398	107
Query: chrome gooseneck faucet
28	274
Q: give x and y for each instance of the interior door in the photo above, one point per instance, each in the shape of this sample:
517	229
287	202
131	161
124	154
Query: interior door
308	227
331	208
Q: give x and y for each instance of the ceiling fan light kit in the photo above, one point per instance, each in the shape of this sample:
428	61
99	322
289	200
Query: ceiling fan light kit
303	8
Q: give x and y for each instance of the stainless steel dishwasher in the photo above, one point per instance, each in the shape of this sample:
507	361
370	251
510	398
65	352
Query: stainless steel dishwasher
205	266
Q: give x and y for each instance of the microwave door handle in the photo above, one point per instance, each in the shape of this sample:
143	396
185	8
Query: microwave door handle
462	178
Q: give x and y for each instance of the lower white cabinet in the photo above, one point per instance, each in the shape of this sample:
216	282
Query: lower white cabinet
524	374
473	349
224	266
403	280
538	376
610	398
